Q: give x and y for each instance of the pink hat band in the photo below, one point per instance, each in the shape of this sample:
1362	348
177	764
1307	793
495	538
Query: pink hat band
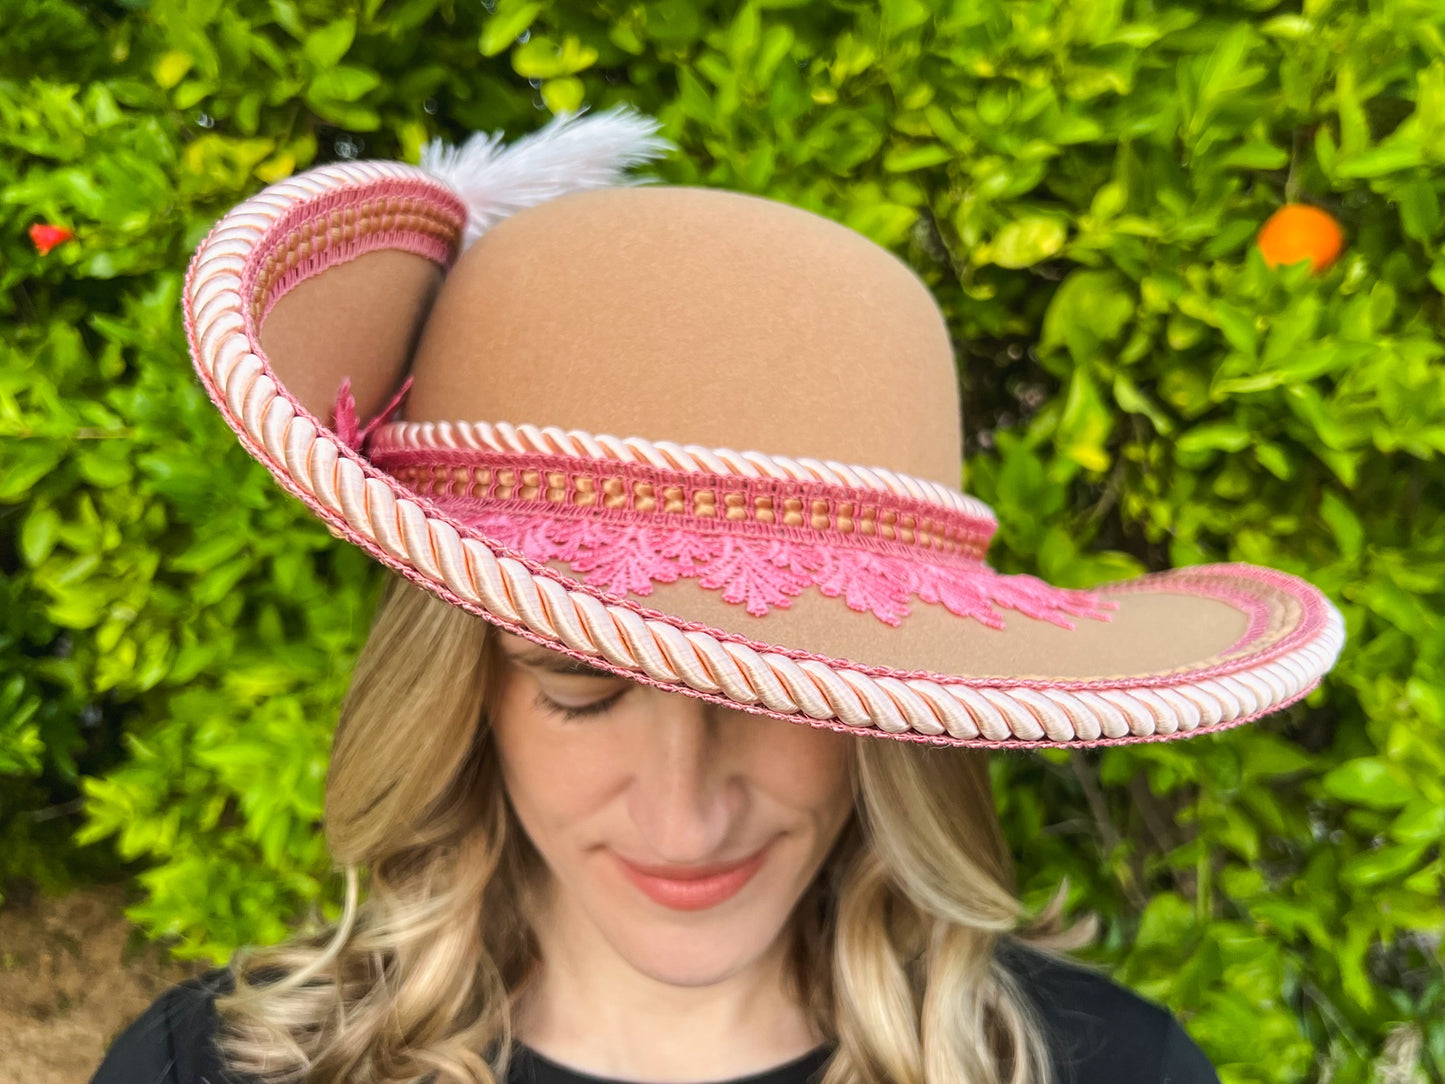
741	524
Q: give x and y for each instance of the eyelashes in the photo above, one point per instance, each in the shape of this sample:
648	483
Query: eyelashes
596	708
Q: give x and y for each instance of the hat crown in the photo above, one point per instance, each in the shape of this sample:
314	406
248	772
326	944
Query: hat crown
697	316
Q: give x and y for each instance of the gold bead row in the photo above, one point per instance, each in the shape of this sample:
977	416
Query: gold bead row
507	483
411	213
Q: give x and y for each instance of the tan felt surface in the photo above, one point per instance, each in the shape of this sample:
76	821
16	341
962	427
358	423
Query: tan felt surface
931	638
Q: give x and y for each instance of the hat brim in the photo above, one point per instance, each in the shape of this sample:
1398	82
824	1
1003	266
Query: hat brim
331	274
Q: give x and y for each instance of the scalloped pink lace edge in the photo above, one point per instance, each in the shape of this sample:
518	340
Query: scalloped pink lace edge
766	573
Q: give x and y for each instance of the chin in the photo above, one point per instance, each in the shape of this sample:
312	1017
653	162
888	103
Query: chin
695	948
692	951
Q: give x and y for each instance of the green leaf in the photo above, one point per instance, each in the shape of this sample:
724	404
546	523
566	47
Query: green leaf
1344	524
1027	241
1354	128
542	58
742	37
171	67
106	465
1388	862
1378	161
1215	437
1289	27
674	24
1273	459
206	554
900	16
1269	755
1326	152
1256	156
326	46
1089	309
563	95
24	464
1422	821
1132	400
904	158
1239	328
343	83
503	28
1373	782
693	97
38	533
1086	424
1165	924
1419	209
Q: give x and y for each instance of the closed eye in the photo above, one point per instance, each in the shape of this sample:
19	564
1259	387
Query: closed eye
597	707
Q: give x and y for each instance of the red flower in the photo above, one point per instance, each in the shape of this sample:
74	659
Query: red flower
45	237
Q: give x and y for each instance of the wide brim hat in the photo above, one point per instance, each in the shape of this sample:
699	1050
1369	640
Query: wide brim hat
520	378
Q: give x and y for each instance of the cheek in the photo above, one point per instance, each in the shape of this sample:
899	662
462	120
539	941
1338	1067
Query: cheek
555	772
809	768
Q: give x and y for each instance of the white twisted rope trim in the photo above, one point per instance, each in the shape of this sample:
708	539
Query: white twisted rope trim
694	458
378	514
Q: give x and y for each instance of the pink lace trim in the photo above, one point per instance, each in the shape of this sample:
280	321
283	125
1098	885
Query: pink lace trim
765	573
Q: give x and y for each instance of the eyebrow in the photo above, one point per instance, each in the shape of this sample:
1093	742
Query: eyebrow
555	662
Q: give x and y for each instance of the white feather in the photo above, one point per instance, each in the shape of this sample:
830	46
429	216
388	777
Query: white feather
569	154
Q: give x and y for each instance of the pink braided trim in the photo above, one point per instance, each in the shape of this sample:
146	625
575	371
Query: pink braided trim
953	742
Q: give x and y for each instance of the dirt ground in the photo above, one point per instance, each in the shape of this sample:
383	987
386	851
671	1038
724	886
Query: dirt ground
70	983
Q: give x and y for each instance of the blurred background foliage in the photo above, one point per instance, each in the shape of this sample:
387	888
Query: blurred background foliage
1080	181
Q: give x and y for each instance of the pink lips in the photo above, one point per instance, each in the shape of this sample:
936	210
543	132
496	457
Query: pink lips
696	888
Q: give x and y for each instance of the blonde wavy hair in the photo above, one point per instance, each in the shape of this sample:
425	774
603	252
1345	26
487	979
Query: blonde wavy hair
893	944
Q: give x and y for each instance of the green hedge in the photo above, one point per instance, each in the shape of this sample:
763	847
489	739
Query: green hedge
1079	180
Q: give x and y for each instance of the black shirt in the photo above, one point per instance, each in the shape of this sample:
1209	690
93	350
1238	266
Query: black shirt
1099	1033
530	1067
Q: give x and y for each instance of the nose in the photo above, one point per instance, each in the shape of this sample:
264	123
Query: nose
685	794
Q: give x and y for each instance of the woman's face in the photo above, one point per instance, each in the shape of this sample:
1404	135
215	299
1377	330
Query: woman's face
608	775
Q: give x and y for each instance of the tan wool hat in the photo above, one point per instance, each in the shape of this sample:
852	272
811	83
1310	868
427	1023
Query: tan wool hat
705	440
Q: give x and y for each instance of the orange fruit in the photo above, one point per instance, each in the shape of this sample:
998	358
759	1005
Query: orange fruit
1298	232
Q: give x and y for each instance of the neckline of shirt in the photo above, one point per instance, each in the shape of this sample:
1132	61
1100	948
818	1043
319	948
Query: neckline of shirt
779	1074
